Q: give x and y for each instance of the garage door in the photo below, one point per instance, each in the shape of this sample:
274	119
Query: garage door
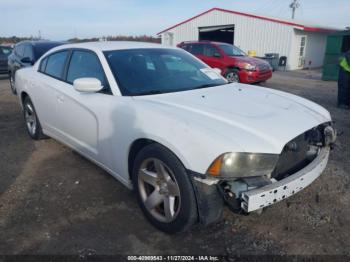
224	33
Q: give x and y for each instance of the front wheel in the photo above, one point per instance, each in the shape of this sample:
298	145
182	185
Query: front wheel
164	190
232	76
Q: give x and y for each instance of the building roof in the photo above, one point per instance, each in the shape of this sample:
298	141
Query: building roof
302	25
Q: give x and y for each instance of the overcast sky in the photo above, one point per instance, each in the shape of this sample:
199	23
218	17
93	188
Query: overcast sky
63	19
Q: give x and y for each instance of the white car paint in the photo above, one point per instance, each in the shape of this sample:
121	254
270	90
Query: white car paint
197	126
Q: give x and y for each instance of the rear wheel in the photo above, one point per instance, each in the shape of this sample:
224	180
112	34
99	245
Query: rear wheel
31	119
232	76
12	83
164	190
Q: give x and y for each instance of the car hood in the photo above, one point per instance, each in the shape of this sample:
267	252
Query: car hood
248	115
250	60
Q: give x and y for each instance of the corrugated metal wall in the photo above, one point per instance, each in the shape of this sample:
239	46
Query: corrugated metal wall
250	34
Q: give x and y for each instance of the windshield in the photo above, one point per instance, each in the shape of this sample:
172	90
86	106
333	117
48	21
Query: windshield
231	50
5	50
155	71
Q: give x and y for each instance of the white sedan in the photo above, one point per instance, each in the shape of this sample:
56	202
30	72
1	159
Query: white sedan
162	122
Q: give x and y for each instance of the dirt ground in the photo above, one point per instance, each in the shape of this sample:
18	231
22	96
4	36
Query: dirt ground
52	201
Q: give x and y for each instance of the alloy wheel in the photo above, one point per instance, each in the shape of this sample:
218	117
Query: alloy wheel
232	77
159	190
30	118
12	83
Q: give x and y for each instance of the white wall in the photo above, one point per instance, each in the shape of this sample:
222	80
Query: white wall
314	52
250	33
315	49
256	34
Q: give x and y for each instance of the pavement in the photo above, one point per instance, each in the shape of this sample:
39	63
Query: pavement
55	202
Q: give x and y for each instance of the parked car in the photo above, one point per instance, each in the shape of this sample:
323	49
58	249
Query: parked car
5	51
164	123
234	64
25	54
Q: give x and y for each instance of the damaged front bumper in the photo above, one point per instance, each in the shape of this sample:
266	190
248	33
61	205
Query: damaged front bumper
276	191
245	196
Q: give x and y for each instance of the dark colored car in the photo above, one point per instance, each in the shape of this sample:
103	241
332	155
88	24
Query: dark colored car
234	64
25	54
5	51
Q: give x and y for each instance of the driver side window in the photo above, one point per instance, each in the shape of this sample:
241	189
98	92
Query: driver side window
85	64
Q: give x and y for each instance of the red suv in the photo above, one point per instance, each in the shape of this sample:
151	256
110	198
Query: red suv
234	64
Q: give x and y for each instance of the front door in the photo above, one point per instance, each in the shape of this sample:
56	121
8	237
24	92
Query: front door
78	112
211	56
302	40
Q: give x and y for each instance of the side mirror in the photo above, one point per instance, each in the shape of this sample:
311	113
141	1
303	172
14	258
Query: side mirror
27	60
217	55
87	85
217	70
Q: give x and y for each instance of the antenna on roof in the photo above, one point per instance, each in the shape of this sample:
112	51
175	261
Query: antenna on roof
294	5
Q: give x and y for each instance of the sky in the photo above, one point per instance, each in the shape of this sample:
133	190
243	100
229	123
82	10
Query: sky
64	19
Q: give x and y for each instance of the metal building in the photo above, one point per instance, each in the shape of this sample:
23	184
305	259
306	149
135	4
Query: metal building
303	45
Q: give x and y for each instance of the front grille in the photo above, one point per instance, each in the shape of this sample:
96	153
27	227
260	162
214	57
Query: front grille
263	67
299	152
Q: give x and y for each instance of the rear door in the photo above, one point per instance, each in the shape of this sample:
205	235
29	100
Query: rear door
50	79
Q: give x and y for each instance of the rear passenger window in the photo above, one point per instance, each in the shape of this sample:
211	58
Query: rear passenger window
196	49
85	64
55	64
185	47
210	50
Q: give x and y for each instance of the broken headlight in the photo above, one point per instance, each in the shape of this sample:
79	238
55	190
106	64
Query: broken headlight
234	165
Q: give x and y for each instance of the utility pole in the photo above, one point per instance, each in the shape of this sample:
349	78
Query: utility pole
294	5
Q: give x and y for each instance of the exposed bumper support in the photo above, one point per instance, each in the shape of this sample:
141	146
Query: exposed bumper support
209	201
264	196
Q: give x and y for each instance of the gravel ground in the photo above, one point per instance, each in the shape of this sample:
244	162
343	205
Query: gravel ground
53	201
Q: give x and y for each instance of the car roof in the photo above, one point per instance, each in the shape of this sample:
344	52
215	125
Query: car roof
41	43
113	45
205	42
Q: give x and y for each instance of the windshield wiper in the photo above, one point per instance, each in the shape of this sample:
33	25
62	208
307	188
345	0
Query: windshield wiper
151	92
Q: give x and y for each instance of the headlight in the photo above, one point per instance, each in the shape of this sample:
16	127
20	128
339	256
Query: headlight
234	165
249	67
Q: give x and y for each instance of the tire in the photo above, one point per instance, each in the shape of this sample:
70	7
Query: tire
232	76
31	120
164	190
12	83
